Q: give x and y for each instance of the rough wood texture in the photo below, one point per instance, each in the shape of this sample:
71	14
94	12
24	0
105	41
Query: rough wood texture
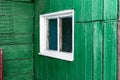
119	50
110	50
95	41
1	65
16	39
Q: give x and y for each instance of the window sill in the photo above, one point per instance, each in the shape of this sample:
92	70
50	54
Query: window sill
59	55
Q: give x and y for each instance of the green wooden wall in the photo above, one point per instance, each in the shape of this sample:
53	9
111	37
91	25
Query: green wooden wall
95	41
16	38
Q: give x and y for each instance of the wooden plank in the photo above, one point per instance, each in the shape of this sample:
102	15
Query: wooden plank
43	8
16	29
110	50
119	51
16	8
88	51
22	0
97	50
20	77
71	71
110	9
16	24
80	51
12	52
83	10
56	5
97	9
14	67
1	64
76	4
15	39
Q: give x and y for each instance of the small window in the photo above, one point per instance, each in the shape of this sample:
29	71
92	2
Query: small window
57	35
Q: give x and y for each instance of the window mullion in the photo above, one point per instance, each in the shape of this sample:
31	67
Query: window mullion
60	34
58	24
47	34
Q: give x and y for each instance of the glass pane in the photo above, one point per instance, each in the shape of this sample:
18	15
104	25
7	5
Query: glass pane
66	34
52	34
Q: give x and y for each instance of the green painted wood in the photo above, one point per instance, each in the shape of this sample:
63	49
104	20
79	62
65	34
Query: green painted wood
20	77
15	39
17	51
97	9
23	24
83	10
88	51
56	67
22	0
16	24
44	7
110	50
35	51
17	67
16	8
56	5
110	9
19	0
52	66
71	71
93	58
80	51
97	50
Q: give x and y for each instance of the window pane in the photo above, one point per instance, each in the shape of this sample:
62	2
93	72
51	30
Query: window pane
67	34
52	34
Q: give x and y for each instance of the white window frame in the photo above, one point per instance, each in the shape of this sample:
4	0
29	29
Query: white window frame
68	56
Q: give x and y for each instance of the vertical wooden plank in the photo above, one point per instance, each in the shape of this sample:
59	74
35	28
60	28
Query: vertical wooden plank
39	68
42	6
71	71
76	4
110	9
88	51
97	50
110	50
1	65
119	50
80	51
83	10
97	9
57	5
68	4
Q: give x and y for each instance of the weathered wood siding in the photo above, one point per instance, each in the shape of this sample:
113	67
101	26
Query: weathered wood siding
95	41
119	50
16	31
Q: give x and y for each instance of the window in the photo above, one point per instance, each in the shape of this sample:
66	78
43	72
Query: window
57	35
